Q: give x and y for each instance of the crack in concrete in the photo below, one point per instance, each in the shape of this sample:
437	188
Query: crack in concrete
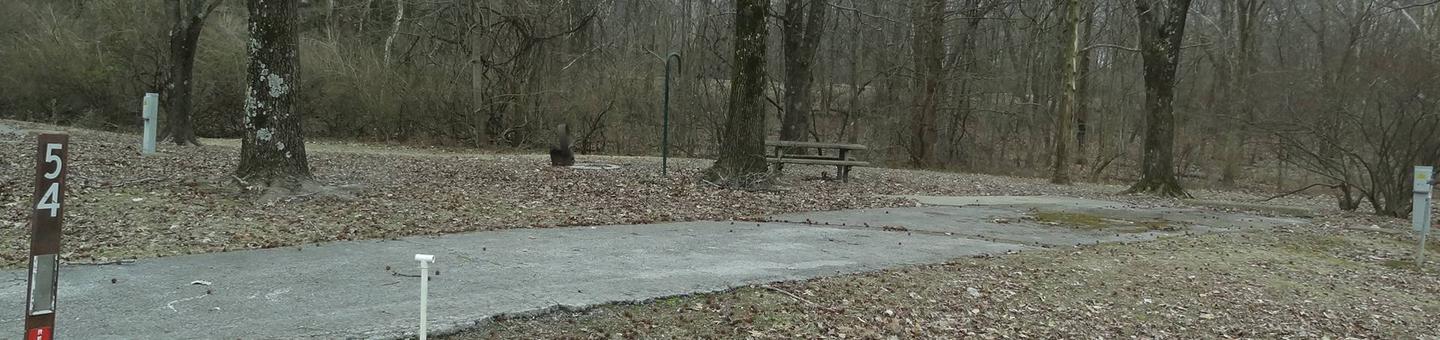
171	304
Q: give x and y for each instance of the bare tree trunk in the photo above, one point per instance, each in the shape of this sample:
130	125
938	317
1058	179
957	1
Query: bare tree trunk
1247	12
929	27
583	39
480	106
1065	120
1162	29
330	20
272	152
1082	102
853	110
562	153
966	62
189	19
394	29
1222	94
742	146
804	22
365	14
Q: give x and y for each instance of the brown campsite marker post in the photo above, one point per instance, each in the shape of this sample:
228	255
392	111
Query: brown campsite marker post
45	221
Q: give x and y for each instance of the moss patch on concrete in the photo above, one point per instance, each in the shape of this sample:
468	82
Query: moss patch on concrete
1071	219
1087	221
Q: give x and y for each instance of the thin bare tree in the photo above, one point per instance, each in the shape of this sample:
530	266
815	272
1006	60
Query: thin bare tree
929	28
1070	73
803	24
394	30
184	38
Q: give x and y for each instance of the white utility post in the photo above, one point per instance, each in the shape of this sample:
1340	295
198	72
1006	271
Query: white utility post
1420	212
425	261
150	115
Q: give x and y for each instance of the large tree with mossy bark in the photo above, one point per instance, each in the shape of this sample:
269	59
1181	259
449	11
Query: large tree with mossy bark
1162	29
742	145
272	151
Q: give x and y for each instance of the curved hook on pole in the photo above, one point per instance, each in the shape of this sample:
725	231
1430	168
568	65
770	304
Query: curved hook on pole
679	62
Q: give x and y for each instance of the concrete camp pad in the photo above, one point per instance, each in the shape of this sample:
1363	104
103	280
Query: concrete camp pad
343	290
361	289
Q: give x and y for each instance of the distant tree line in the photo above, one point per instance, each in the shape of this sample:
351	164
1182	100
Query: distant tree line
1284	94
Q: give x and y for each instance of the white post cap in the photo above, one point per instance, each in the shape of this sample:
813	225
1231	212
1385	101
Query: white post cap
425	258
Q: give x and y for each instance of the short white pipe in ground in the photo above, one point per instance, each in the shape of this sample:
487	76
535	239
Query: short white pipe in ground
425	261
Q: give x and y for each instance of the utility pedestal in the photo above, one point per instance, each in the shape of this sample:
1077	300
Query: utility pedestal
150	116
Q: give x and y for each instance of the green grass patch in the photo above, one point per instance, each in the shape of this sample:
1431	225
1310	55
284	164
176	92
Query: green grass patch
1406	264
1157	225
1322	245
1071	219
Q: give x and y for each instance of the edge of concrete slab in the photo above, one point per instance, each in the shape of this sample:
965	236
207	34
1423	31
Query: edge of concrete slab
477	292
1085	202
453	328
962	201
1258	207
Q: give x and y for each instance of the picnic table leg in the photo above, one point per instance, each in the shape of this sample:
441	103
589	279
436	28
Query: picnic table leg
779	162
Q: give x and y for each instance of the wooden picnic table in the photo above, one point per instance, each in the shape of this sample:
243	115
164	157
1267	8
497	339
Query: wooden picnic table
832	154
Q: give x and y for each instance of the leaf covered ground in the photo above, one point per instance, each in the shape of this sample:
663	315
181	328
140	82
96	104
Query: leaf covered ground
1325	279
184	200
1311	281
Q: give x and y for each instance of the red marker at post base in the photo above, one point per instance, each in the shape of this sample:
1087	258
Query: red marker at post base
42	333
45	221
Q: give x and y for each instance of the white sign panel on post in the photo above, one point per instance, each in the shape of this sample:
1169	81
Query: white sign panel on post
1420	211
1424	179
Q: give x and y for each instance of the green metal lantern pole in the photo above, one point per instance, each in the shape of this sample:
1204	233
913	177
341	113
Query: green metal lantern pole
665	135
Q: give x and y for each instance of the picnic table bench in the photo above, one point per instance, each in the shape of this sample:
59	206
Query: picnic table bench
834	154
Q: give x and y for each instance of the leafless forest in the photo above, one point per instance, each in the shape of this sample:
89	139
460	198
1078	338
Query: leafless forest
1339	97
